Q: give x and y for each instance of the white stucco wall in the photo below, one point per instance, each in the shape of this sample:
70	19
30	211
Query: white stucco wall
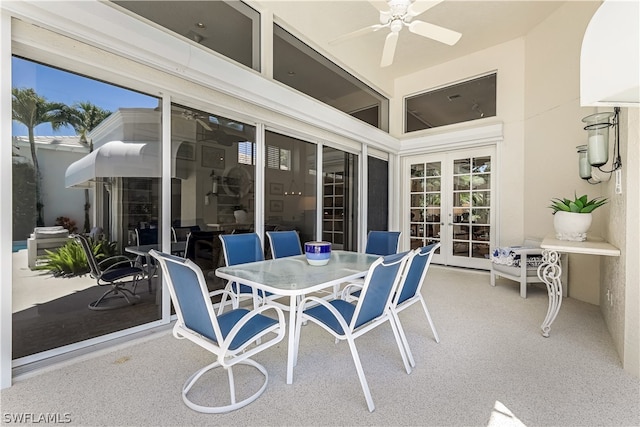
553	128
509	61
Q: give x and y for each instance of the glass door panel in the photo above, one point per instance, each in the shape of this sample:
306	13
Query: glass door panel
455	186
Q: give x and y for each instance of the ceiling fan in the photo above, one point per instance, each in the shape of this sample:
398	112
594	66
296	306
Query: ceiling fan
396	14
190	115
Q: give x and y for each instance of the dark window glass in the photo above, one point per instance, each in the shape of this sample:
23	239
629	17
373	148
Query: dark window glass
290	186
229	28
340	198
302	68
461	102
378	194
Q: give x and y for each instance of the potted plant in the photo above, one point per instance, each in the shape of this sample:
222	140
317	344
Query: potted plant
572	218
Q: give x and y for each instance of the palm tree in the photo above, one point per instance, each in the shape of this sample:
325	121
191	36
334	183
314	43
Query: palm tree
84	117
32	110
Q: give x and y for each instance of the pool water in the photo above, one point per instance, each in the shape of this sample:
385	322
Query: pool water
19	245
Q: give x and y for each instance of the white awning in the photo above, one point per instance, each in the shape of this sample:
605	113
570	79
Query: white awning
117	159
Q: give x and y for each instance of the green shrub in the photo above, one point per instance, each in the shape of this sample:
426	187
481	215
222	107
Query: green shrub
70	260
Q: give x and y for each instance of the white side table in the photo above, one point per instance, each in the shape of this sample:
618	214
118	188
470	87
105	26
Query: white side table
550	271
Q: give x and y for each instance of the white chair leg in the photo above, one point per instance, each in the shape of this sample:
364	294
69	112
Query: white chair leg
403	345
234	403
363	379
433	327
493	278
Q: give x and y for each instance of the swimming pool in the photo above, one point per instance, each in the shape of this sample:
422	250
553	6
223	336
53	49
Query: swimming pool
19	245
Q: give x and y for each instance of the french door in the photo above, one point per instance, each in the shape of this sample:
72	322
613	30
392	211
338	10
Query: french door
448	198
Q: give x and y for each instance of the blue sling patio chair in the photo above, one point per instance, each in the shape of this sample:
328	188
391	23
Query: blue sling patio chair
233	337
284	243
115	272
410	291
350	320
382	242
241	249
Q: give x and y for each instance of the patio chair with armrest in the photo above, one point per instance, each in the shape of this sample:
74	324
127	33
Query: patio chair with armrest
241	249
379	243
147	236
284	243
115	272
350	320
382	242
410	291
180	234
229	336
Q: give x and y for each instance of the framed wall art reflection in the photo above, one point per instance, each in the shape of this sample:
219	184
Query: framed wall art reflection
212	157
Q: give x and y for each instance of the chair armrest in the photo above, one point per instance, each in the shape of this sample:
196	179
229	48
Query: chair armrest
332	309
224	346
349	289
125	260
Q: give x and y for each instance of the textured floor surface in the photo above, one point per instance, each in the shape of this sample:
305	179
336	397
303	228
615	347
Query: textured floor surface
492	367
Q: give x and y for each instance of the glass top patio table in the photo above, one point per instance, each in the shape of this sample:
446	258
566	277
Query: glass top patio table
294	277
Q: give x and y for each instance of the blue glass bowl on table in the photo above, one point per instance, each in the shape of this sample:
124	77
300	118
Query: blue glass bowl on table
317	253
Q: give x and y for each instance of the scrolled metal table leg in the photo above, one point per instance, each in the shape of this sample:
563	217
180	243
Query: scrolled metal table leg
549	272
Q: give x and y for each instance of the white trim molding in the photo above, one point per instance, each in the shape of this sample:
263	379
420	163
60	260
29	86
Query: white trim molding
453	139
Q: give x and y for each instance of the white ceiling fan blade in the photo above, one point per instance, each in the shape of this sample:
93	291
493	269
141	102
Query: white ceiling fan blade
389	49
204	124
357	33
435	32
419	7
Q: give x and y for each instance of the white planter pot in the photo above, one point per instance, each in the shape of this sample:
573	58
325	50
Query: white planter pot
571	226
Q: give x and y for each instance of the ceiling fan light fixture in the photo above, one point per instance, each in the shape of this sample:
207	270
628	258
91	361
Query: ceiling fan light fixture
396	25
400	13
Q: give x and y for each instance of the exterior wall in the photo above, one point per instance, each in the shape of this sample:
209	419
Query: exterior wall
620	277
58	200
508	59
54	157
553	129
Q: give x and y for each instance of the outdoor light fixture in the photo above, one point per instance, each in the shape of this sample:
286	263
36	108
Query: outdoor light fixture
293	190
595	154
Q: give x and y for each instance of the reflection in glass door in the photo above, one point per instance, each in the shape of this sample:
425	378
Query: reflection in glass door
450	202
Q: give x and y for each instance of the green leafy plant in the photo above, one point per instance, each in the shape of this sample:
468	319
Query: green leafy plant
577	205
70	260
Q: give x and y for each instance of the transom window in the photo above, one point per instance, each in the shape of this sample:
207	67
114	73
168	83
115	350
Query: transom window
459	102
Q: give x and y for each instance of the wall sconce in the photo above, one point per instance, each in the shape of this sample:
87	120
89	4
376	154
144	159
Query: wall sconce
214	187
595	154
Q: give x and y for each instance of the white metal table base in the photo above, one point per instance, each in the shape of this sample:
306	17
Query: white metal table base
549	272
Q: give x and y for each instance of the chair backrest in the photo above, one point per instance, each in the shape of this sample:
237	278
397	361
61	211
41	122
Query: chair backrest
190	296
196	240
382	242
415	272
241	248
380	284
180	234
94	268
284	243
147	236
